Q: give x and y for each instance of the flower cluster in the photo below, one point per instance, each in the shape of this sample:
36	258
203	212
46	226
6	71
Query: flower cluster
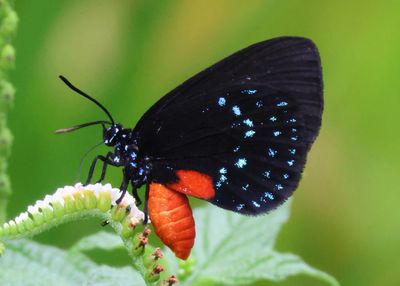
71	203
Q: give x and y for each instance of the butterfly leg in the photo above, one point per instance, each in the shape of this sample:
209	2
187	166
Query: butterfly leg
91	170
146	203
123	188
106	162
136	196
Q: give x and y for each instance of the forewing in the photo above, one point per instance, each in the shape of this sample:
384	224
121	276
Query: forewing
247	122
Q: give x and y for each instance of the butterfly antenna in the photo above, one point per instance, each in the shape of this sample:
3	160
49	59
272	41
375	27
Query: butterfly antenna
77	90
76	127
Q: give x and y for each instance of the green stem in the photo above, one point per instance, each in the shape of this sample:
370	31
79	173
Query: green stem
8	28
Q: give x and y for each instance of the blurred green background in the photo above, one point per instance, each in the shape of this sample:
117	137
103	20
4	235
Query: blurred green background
127	54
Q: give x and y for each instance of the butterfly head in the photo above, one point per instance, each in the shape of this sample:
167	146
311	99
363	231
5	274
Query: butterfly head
117	134
112	135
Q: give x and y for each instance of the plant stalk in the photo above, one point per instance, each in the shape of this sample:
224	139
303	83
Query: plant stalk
8	28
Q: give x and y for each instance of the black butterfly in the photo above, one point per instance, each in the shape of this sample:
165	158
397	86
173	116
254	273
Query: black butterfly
236	134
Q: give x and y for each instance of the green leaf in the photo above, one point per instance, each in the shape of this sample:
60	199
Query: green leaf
230	249
100	240
29	263
233	249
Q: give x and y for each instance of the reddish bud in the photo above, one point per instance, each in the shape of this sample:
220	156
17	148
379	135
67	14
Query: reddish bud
146	231
157	270
171	280
157	254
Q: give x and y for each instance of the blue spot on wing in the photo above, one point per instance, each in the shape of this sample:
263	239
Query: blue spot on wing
248	122
241	162
249	91
282	103
223	178
272	152
249	134
236	110
269	195
240	207
267	174
290	163
221	101
277	133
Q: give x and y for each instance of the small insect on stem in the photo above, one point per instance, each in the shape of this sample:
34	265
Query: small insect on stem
105	223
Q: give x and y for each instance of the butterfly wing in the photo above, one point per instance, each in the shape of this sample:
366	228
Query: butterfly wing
247	123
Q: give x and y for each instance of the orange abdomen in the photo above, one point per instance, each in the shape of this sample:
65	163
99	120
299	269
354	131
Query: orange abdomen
172	218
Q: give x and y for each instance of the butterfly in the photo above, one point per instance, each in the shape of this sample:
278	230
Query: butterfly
236	135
